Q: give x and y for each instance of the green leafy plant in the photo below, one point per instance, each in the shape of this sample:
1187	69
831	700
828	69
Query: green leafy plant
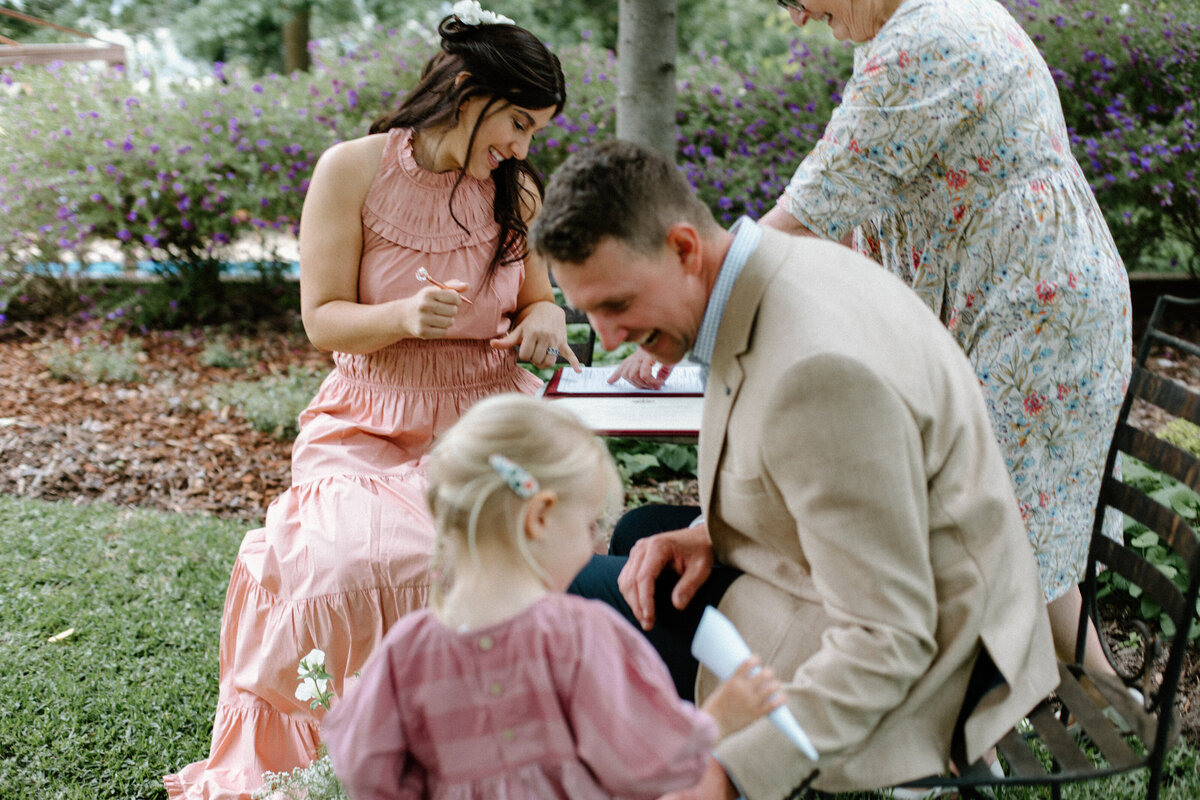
638	458
1182	434
222	352
32	294
93	359
272	403
1184	502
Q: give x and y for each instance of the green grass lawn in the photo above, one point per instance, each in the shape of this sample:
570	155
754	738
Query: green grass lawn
129	696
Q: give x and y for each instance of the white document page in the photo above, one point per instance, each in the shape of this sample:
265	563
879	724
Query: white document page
684	379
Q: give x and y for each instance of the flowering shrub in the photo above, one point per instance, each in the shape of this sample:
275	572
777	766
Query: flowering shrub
741	135
1128	73
175	173
180	173
590	115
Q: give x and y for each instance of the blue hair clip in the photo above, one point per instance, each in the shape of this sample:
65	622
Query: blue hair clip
517	477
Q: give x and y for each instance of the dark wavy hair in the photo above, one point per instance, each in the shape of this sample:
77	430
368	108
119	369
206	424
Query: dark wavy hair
504	63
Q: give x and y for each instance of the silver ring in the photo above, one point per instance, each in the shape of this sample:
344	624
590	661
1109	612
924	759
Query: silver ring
553	351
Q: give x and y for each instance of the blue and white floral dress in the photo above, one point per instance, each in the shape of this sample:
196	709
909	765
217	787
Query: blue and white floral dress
949	162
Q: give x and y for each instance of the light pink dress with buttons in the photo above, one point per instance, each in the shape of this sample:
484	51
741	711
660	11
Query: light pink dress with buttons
564	700
345	552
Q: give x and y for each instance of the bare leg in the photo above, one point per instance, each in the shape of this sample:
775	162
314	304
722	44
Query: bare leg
1064	622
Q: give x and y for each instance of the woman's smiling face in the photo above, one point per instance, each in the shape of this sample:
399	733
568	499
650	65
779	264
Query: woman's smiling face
506	131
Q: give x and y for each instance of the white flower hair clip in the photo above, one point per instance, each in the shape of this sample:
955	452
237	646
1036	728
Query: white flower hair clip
469	12
517	477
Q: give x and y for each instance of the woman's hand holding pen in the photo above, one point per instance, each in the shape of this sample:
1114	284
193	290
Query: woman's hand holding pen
429	313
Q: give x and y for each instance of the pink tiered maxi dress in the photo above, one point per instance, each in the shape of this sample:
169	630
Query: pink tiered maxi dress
345	551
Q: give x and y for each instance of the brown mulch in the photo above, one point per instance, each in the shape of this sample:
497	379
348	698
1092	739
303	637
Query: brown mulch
160	443
164	443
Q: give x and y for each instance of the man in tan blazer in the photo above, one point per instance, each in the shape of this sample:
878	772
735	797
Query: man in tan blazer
855	500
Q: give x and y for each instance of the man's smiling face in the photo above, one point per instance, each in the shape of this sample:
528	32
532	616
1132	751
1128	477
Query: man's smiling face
655	301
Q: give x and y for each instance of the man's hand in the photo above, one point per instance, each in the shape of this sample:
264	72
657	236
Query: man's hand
638	369
688	552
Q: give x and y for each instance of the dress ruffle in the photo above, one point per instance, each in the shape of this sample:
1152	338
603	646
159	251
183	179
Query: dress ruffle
422	226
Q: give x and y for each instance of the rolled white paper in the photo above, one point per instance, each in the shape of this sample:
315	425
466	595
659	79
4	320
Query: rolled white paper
718	646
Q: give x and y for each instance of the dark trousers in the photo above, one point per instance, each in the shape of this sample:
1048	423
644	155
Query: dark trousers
673	629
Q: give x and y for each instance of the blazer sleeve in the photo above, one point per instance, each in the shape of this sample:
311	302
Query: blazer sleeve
631	729
845	454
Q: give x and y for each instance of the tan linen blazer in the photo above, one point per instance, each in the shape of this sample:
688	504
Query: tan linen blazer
848	467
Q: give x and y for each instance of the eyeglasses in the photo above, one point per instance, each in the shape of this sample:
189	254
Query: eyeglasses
791	5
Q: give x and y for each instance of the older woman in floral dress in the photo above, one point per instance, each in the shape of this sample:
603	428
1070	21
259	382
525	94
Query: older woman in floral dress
948	161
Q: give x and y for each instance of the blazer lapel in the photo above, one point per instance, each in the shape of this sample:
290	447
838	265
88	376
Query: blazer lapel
725	374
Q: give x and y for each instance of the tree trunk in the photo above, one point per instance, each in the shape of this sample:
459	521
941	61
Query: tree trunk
646	45
295	41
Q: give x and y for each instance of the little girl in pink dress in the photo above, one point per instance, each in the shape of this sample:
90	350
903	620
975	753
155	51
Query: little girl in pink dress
507	687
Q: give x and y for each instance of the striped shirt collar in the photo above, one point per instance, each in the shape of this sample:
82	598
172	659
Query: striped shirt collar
746	235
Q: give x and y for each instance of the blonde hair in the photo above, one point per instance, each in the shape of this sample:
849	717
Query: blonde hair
469	498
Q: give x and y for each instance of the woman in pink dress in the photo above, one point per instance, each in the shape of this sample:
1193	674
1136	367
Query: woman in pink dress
507	687
414	272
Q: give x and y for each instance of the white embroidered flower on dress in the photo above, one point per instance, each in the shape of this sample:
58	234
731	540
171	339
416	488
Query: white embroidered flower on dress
471	13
